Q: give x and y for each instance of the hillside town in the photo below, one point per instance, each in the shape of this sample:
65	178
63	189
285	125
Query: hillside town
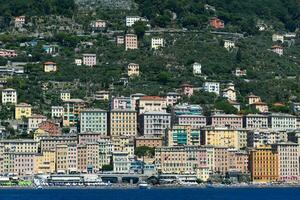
62	125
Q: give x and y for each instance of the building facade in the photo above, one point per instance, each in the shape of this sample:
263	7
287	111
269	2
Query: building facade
94	120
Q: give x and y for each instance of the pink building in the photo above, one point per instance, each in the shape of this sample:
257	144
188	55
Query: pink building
89	59
5	53
226	120
221	160
238	161
131	41
187	89
22	163
88	137
195	121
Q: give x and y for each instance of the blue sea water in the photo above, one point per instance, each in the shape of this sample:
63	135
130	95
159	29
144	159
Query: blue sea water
153	194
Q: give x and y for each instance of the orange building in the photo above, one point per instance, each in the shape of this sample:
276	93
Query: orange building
148	141
216	23
263	164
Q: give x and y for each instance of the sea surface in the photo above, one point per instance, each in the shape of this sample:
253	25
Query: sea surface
153	194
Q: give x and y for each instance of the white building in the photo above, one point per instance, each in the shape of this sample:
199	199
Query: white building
133	69
256	121
277	49
157	43
65	95
213	87
78	62
229	92
89	59
98	24
280	121
154	123
9	95
172	98
102	95
197	68
130	20
228	44
277	37
57	111
240	72
263	137
121	162
34	121
20	21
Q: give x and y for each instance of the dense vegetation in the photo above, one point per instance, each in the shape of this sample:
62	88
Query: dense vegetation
242	14
13	8
274	78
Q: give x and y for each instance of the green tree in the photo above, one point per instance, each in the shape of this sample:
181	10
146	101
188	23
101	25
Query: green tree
140	27
225	106
144	151
107	168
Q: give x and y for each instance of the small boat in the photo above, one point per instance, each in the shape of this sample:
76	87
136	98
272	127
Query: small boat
39	187
144	185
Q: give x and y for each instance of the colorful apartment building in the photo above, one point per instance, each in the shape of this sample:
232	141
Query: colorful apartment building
89	137
20	146
44	163
172	98
226	120
148	141
131	42
93	120
154	123
88	157
66	158
288	161
183	159
263	164
256	121
151	104
50	142
220	137
72	109
183	135
122	123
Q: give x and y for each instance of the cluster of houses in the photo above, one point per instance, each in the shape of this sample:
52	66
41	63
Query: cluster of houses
185	141
75	138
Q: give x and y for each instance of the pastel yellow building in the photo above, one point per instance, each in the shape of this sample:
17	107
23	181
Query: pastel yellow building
44	163
123	123
20	146
264	164
22	110
66	158
220	137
